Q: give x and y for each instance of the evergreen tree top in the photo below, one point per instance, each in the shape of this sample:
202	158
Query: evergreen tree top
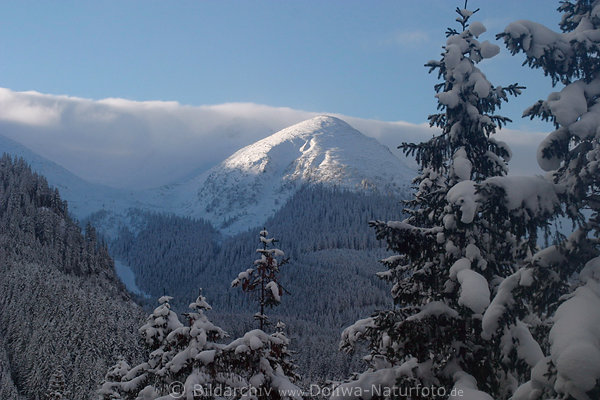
200	304
564	57
452	249
262	278
467	102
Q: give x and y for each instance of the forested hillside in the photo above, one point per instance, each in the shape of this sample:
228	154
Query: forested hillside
331	275
7	386
62	310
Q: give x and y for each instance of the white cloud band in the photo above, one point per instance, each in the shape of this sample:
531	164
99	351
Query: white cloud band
126	143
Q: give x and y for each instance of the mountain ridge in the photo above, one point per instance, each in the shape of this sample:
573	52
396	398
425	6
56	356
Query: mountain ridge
246	188
84	197
254	182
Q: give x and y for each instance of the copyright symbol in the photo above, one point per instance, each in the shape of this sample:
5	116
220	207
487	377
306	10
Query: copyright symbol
176	390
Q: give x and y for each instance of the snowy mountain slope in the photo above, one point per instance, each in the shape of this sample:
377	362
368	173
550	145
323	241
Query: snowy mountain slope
84	197
248	187
245	189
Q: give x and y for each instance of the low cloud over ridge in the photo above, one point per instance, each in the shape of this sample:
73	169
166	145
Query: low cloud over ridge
124	143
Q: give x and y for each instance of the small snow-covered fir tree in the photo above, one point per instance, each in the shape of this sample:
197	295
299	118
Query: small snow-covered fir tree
263	278
150	379
451	249
562	282
155	333
188	356
199	362
264	360
111	387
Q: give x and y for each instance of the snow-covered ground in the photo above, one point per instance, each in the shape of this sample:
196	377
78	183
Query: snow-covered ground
127	276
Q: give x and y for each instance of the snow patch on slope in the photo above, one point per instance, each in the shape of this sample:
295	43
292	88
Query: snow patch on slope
127	276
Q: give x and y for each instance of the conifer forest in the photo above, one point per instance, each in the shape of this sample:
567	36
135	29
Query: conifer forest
316	262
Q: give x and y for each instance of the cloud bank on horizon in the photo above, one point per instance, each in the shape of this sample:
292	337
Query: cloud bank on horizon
132	144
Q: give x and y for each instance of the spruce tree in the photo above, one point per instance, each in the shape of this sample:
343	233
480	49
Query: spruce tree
264	360
184	360
199	364
452	249
263	278
562	284
155	333
151	378
111	386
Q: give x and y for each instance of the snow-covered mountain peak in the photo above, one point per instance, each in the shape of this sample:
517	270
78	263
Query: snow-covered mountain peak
254	182
320	125
306	137
248	187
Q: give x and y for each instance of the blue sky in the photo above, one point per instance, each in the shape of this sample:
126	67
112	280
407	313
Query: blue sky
358	58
